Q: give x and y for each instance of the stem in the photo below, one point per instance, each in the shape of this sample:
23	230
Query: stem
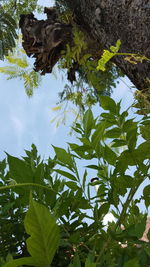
131	54
126	205
78	178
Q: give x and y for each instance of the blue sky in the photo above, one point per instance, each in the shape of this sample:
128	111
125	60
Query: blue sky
27	120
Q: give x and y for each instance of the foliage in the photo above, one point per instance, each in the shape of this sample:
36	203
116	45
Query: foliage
16	8
7	33
19	67
9	17
142	102
90	83
44	238
117	149
107	56
96	81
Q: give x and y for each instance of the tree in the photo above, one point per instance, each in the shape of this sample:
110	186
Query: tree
103	23
62	214
64	221
90	82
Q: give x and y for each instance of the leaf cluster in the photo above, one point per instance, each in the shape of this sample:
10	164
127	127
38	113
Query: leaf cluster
91	82
7	33
19	67
65	221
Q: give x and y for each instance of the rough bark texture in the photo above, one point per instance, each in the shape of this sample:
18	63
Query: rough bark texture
44	39
105	21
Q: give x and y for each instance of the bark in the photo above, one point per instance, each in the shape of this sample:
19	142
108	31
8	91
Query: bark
44	39
106	21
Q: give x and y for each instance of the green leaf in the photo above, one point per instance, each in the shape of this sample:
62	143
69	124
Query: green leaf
104	59
134	263
66	174
85	141
19	170
146	191
44	239
103	210
19	262
94	167
116	48
98	134
137	229
118	143
140	227
84	204
89	263
108	103
146	122
122	116
147	249
131	138
74	238
84	179
72	185
129	125
88	122
76	261
113	133
64	157
128	158
143	151
109	118
125	181
109	155
145	132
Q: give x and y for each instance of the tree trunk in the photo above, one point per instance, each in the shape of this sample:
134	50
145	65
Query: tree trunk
104	21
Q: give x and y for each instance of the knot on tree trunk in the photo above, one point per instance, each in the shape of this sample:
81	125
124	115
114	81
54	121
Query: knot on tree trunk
45	39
